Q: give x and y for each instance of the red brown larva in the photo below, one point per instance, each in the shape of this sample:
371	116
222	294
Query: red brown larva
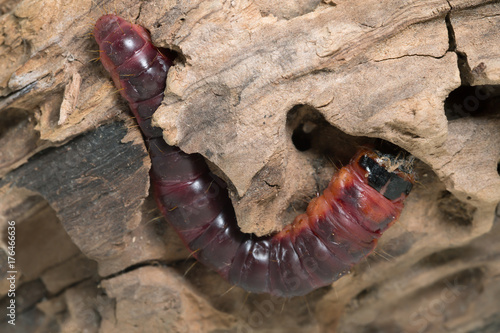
339	228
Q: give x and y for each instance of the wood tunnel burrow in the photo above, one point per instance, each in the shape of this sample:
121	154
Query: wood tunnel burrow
473	101
310	133
472	107
172	52
315	150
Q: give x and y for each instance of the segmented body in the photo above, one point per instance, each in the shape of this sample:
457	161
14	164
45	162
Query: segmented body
339	228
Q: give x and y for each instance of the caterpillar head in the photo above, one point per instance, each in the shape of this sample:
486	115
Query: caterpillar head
392	176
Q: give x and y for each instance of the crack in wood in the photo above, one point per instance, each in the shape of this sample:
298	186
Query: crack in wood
464	69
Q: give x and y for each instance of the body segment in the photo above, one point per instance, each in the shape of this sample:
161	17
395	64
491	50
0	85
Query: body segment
339	228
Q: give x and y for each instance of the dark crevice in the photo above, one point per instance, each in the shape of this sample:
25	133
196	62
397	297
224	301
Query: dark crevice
452	42
70	286
455	212
310	132
366	293
271	185
468	100
412	55
5	101
98	280
472	101
446	256
464	69
462	63
26	298
128	269
301	139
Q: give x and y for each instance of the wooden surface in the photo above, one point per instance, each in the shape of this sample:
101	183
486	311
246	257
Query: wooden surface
254	81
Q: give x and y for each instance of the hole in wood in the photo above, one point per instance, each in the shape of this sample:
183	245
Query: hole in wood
472	101
454	211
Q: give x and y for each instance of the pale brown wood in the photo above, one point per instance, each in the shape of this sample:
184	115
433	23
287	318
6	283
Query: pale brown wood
94	252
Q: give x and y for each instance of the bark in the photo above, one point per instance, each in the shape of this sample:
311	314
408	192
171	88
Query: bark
275	95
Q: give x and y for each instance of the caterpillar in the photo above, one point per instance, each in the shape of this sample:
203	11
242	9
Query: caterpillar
338	229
